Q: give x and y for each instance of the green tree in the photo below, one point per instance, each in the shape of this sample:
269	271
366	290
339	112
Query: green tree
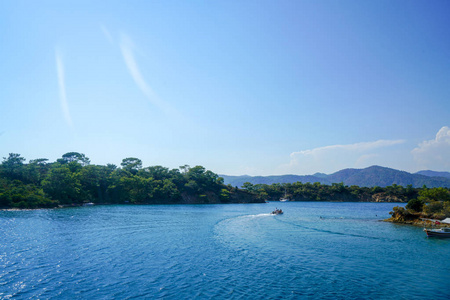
192	186
224	195
220	181
248	186
138	189
13	166
415	205
433	208
377	189
170	191
36	170
157	172
338	187
131	164
62	185
184	169
434	194
94	182
15	193
205	180
74	157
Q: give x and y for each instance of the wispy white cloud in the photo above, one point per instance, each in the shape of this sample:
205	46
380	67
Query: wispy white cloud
335	157
434	154
358	147
127	49
62	89
107	34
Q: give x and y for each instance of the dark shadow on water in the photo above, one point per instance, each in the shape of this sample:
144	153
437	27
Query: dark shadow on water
335	232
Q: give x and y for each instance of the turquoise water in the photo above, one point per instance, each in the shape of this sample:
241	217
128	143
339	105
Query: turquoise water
313	251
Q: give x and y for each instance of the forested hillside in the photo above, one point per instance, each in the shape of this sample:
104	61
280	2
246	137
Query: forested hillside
72	180
434	173
299	191
368	177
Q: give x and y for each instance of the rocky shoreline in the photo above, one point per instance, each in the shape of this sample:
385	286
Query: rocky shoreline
399	215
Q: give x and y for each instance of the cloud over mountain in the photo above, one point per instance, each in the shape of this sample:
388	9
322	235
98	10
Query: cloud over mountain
435	153
335	157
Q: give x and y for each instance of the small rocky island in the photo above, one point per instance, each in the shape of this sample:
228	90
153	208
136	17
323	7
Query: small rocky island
431	207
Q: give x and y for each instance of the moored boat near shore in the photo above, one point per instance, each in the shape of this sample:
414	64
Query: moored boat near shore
285	198
441	232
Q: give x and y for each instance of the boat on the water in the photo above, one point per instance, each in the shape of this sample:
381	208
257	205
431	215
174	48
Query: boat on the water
88	204
277	211
441	232
285	198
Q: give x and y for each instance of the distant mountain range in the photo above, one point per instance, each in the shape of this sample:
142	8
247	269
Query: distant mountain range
434	174
368	177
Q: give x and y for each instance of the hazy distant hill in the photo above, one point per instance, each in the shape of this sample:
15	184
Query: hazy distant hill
239	180
434	174
369	177
380	176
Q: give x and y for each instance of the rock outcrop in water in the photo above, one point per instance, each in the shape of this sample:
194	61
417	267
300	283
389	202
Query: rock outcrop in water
401	215
384	197
432	204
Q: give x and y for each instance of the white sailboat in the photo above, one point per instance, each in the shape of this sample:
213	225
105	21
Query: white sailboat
285	198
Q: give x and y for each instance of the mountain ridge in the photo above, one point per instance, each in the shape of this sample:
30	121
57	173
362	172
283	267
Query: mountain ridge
430	173
367	177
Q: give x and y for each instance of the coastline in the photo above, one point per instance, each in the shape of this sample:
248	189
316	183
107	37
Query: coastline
239	201
418	222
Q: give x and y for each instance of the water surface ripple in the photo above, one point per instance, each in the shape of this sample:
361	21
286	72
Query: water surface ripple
314	250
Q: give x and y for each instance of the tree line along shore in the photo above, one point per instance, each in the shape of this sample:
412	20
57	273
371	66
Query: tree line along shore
71	180
431	203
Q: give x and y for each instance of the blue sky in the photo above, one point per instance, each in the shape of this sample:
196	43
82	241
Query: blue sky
239	87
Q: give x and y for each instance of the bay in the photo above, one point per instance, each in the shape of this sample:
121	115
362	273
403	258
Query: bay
315	250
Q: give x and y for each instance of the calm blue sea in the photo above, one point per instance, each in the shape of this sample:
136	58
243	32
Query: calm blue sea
313	251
